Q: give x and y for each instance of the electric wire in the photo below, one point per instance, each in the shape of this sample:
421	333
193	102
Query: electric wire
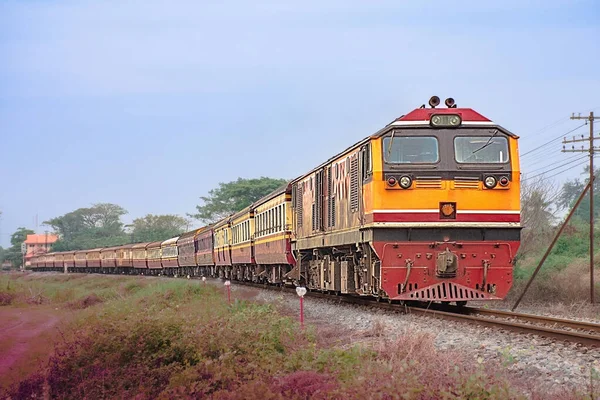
554	163
555	168
551	141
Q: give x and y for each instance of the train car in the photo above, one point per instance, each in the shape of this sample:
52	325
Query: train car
33	262
93	260
205	254
222	247
80	258
108	258
272	237
168	256
69	260
186	252
242	250
49	261
39	262
153	255
124	255
140	257
425	209
59	261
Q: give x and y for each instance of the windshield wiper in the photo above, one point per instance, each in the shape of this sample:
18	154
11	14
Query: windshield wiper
488	142
389	149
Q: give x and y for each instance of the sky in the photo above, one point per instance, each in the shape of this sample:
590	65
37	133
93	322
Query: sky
150	104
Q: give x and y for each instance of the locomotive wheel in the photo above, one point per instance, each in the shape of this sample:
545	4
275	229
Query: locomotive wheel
461	303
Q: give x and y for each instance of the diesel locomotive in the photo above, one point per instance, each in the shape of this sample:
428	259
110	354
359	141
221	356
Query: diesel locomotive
425	209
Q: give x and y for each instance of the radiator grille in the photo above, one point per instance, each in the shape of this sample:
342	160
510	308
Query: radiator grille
428	182
466	183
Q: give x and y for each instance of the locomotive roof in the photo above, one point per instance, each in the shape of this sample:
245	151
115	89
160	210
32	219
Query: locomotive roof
422	116
418	118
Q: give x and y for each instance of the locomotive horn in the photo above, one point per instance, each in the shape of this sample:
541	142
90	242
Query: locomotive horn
434	101
450	103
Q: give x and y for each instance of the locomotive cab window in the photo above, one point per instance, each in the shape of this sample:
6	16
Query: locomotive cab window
481	149
411	150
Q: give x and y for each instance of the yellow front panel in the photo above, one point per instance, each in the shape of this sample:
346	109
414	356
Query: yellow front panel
378	195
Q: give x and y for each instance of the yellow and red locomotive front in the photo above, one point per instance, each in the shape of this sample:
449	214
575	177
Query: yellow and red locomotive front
443	206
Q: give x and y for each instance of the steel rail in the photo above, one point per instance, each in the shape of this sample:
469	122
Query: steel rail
585	339
582	325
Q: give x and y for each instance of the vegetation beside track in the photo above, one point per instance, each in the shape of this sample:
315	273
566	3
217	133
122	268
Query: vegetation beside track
564	277
164	338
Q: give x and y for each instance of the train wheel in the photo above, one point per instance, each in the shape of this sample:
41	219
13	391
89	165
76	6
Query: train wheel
461	303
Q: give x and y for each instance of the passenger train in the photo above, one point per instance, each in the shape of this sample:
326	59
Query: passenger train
425	209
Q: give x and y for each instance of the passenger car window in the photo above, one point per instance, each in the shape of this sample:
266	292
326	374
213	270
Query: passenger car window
411	150
481	149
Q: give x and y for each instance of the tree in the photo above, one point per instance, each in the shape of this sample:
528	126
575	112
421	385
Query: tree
571	191
538	214
234	196
13	254
152	228
86	228
20	236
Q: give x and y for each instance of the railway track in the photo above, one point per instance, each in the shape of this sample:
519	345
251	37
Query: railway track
583	333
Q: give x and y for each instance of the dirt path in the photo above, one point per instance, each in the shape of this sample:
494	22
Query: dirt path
26	340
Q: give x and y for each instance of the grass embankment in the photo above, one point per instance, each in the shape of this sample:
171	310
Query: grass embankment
160	338
564	276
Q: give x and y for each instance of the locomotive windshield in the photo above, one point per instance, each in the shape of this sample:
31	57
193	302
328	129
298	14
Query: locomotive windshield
411	149
481	149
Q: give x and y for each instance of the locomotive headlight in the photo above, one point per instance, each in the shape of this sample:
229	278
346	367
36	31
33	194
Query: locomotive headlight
503	181
405	182
391	181
490	182
445	120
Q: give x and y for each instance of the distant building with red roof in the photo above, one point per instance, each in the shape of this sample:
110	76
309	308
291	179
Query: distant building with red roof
38	244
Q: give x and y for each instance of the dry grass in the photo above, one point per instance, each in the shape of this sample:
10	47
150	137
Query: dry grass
570	285
179	339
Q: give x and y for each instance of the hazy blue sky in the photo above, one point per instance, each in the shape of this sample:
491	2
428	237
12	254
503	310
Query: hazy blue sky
149	104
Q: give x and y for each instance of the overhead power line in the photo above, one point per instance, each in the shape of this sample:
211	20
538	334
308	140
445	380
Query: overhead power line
553	164
555	168
551	141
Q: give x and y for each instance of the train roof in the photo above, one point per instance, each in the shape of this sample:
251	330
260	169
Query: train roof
189	234
154	244
169	242
280	190
111	248
140	245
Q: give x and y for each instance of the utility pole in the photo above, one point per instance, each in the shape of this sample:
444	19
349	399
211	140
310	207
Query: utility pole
592	150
